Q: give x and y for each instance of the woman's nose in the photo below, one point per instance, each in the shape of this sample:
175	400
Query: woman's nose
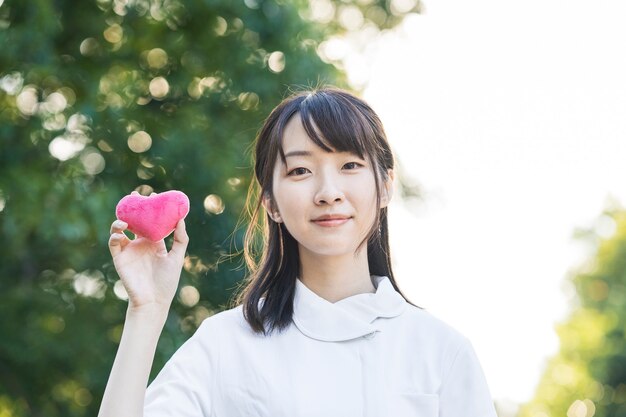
329	190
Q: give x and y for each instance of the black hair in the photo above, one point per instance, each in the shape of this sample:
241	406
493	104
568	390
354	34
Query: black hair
336	120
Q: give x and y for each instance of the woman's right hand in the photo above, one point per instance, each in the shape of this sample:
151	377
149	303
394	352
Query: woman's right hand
149	273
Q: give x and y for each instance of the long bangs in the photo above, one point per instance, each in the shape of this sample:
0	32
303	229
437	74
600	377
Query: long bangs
332	122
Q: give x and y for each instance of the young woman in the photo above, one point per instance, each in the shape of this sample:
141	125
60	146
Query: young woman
321	328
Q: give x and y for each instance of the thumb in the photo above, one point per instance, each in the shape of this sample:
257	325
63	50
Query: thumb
180	239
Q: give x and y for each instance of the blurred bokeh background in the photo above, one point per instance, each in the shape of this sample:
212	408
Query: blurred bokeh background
507	123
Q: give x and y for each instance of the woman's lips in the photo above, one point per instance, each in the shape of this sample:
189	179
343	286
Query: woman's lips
330	222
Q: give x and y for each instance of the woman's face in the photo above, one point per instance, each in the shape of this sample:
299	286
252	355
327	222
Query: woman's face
316	183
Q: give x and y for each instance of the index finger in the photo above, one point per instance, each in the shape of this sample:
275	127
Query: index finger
118	226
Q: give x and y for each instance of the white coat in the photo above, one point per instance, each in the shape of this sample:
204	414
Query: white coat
368	355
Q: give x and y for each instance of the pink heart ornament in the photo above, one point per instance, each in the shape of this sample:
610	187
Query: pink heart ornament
153	217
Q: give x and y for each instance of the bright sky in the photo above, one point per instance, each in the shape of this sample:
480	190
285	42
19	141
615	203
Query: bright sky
512	116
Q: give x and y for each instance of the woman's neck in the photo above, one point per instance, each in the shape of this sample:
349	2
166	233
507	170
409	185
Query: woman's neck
336	278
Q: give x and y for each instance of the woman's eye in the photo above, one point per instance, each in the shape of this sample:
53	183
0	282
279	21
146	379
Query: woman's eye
356	164
297	171
302	171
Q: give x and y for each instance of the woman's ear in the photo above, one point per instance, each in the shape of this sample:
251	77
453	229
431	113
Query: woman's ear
269	207
387	189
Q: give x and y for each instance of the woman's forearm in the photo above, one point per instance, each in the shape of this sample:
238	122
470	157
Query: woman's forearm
125	391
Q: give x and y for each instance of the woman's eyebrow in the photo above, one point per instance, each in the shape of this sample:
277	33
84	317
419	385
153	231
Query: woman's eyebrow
298	153
308	153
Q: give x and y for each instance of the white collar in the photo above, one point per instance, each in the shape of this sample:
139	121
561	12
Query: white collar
348	318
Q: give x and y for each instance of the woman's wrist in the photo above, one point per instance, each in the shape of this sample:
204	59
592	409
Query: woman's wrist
153	313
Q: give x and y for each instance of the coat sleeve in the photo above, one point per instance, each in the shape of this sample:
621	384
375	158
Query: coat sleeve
464	390
185	386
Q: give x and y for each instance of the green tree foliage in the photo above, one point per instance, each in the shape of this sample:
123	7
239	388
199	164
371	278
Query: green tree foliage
102	97
588	375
